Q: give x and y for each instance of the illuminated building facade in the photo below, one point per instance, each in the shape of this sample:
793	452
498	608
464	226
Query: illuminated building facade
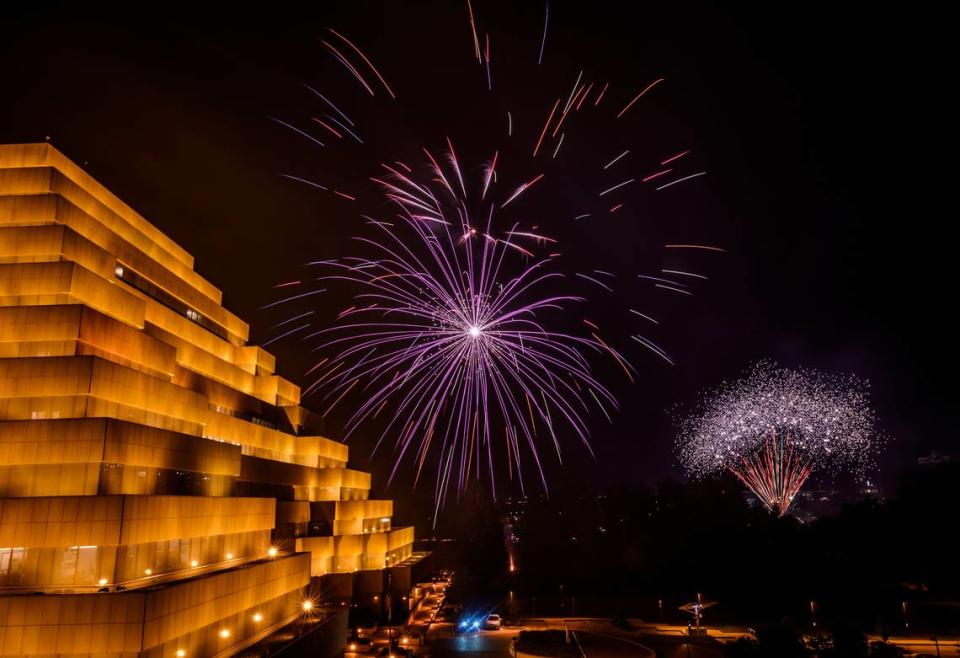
162	493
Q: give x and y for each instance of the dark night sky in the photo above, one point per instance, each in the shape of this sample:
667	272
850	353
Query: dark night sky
815	126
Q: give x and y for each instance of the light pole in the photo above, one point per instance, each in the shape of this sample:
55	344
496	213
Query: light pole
906	619
813	613
660	607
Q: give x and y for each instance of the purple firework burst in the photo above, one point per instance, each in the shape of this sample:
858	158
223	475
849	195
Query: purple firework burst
447	338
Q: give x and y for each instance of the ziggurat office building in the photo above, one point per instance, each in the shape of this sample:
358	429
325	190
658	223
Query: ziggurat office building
162	491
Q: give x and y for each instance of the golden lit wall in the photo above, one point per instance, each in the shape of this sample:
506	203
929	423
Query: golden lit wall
144	444
190	615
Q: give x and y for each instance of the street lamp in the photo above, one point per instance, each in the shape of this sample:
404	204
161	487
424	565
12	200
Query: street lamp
813	613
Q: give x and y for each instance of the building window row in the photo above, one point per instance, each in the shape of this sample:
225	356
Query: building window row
158	294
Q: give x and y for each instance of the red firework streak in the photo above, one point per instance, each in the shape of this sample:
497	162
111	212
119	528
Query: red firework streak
774	473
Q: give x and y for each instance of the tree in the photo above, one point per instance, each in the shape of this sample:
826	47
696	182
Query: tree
743	647
780	642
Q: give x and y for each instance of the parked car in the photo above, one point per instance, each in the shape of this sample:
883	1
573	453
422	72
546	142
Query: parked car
367	631
411	638
359	645
492	623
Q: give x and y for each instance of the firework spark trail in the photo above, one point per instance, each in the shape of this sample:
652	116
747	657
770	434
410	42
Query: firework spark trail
682	273
487	61
776	426
593	280
546	126
520	190
298	131
680	180
285	334
643	315
289	320
566	111
673	157
489	175
666	287
305	182
657	174
616	187
290	299
328	102
346	63
600	95
694	246
347	130
639	96
365	59
650	345
583	96
473	31
660	280
559	144
612	162
543	41
572	97
332	131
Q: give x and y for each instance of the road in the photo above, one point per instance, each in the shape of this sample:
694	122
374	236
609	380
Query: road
602	645
491	644
444	643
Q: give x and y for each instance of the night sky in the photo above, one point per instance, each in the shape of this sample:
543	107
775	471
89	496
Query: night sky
814	126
